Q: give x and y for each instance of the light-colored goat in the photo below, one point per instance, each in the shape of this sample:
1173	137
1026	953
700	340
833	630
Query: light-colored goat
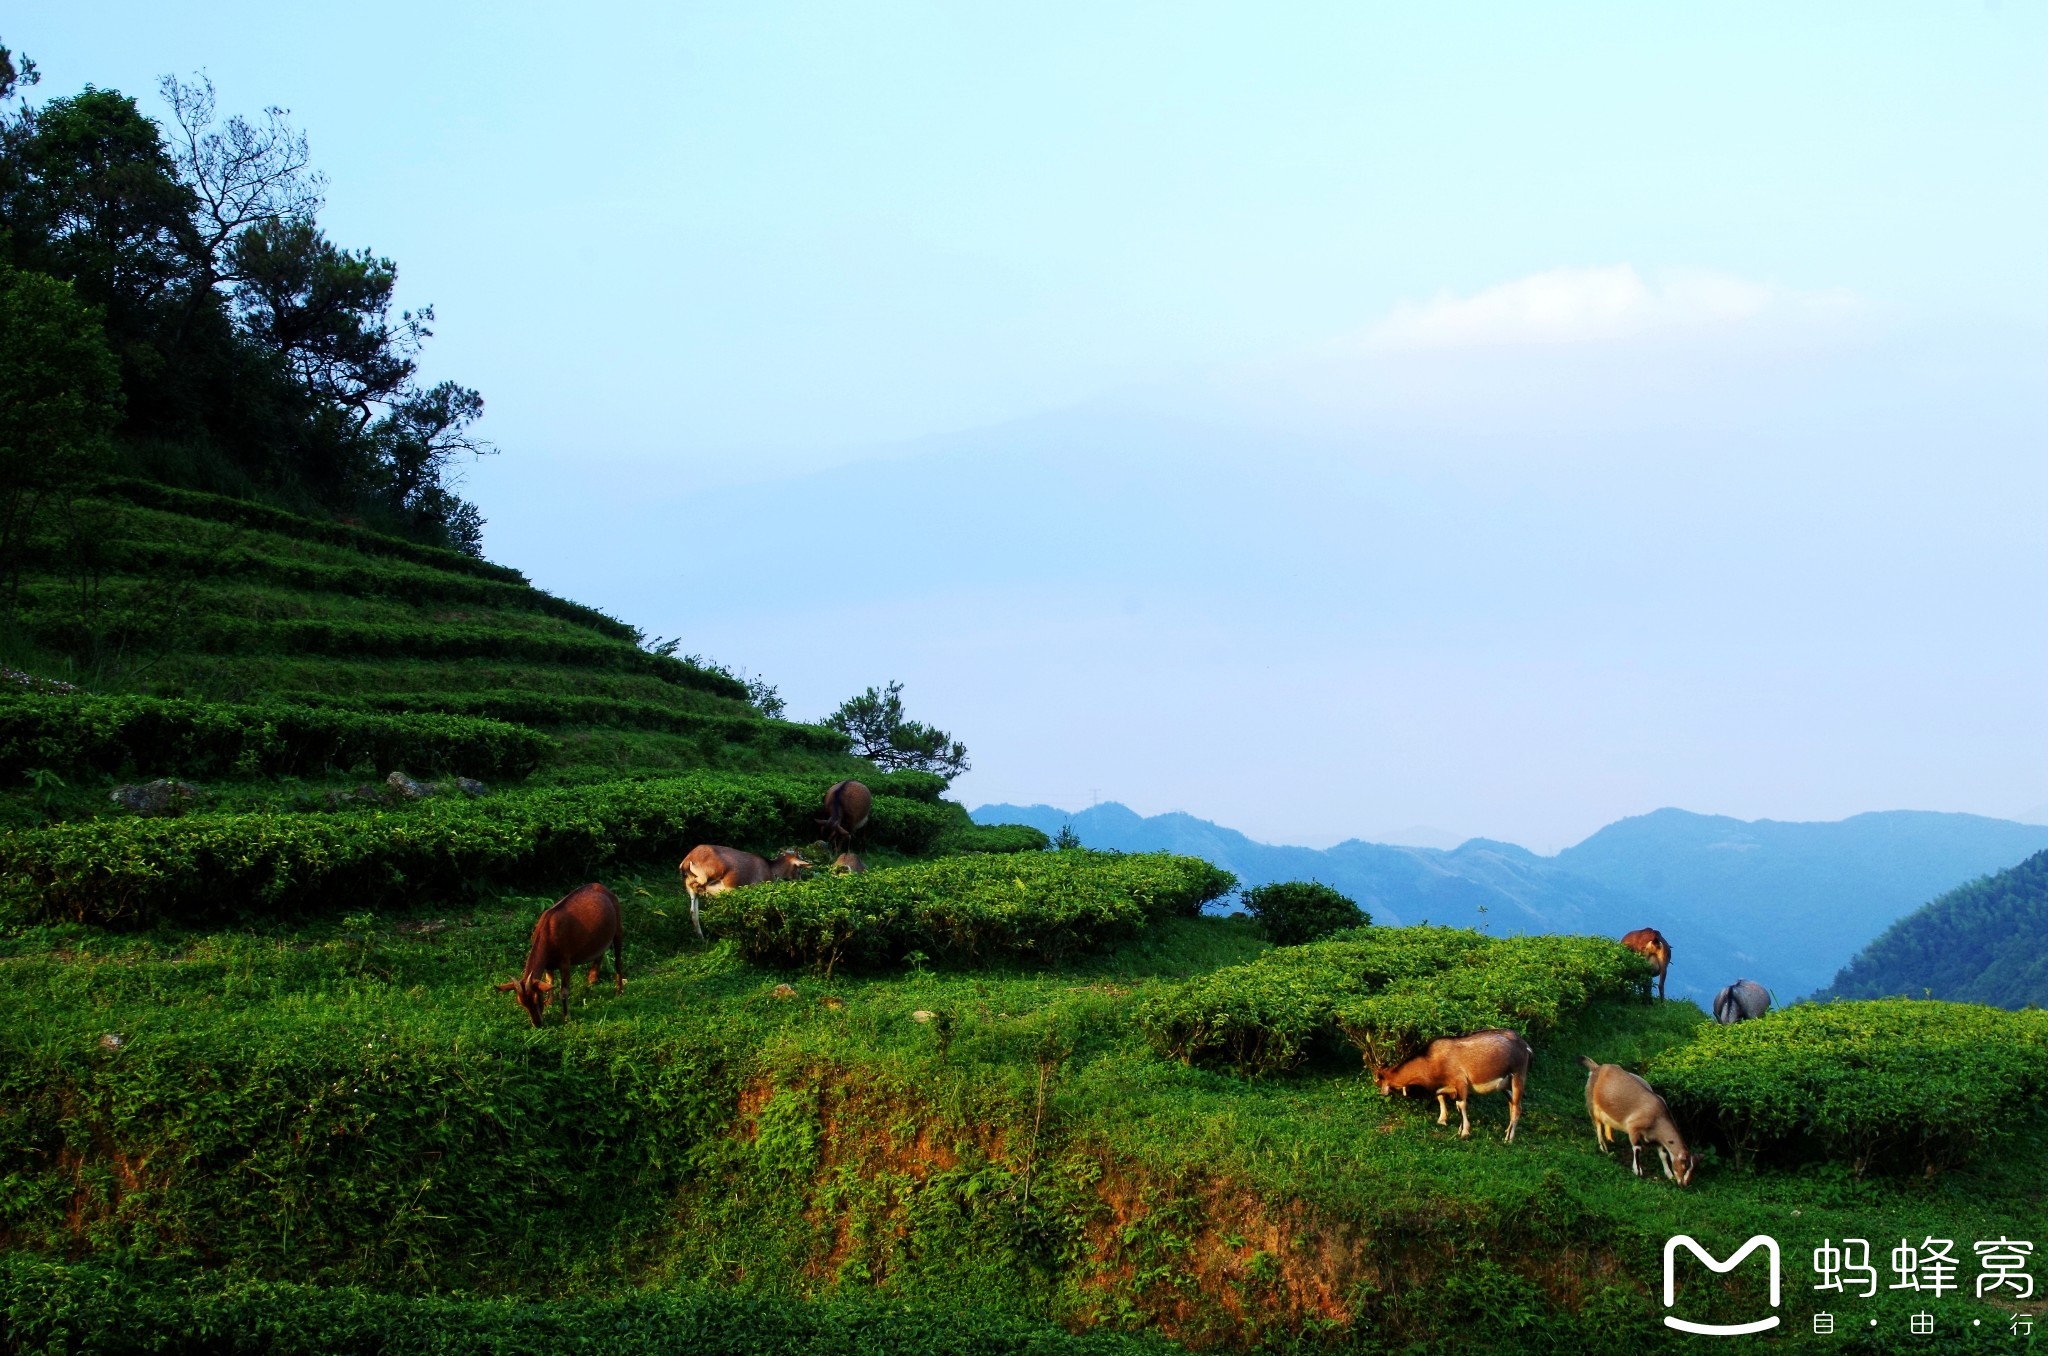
712	870
1618	1100
1455	1067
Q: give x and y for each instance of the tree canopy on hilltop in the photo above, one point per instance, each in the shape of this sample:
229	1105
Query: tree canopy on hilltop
254	355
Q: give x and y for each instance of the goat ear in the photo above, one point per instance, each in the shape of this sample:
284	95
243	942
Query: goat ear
508	984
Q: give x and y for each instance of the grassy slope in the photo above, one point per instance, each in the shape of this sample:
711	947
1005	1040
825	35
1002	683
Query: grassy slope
348	1103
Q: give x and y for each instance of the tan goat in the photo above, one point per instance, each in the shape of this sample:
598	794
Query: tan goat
1455	1067
1618	1100
712	870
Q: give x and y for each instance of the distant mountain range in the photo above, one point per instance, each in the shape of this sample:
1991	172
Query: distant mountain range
1979	943
1784	904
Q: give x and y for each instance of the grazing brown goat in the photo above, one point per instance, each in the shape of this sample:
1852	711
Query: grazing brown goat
575	930
846	864
846	812
1458	1066
711	870
1618	1100
1651	944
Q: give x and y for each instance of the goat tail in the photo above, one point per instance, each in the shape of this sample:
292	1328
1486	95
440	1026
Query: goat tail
1589	1063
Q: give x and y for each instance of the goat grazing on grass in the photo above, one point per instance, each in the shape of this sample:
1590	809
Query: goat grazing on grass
1651	945
1618	1100
575	930
847	805
1743	1001
1455	1067
712	870
846	864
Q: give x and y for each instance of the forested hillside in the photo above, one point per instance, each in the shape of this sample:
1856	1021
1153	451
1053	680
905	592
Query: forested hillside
1979	943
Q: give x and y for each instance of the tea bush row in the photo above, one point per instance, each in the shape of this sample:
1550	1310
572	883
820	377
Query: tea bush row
367	578
558	709
1894	1084
139	871
966	910
243	513
50	1306
1387	991
158	736
359	640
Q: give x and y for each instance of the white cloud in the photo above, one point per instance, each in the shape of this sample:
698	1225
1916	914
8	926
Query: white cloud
1576	305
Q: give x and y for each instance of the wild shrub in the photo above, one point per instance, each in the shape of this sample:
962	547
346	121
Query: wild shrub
156	736
1887	1085
130	871
1296	911
1388	991
966	910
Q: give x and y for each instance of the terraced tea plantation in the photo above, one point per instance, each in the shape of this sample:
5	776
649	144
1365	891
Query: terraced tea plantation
257	1091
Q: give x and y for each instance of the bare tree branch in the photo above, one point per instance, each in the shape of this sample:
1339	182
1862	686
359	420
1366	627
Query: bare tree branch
243	174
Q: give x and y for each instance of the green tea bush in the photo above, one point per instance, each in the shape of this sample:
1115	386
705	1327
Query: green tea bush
1388	991
1268	1015
130	871
1892	1085
49	1306
1297	911
1529	984
967	910
154	736
993	838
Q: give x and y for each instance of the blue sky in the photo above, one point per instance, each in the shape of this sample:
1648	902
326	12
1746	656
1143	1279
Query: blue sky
1517	417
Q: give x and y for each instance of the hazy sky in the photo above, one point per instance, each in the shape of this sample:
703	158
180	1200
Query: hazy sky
1323	419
